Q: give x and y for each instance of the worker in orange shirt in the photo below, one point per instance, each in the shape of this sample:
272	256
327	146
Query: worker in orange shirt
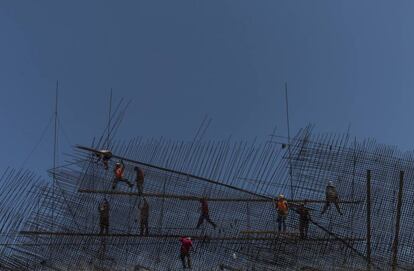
282	212
119	175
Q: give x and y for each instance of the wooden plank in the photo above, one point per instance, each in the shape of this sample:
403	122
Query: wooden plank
176	236
197	198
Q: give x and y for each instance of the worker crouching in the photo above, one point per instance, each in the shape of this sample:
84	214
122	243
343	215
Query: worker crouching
331	197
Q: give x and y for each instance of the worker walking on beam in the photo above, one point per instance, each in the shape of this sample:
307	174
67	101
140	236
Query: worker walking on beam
282	212
304	219
186	246
105	156
103	217
331	197
139	179
144	215
204	214
119	175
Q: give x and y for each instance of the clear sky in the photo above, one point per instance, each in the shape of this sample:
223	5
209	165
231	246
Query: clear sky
346	63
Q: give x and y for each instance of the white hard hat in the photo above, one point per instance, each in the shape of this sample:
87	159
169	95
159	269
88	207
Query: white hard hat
281	196
330	183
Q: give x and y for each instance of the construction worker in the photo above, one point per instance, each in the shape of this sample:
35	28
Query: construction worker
103	217
331	197
204	214
186	246
105	155
119	175
144	215
282	212
139	179
304	218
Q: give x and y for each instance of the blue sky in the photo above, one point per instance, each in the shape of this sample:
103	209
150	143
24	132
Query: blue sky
346	63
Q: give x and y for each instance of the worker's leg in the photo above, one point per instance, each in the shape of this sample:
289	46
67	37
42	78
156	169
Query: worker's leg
142	224
188	260
101	226
105	163
302	229
306	228
279	222
126	181
140	188
106	229
182	256
325	207
337	206
114	183
284	223
146	227
200	221
209	221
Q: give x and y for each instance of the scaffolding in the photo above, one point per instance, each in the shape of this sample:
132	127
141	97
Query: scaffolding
240	181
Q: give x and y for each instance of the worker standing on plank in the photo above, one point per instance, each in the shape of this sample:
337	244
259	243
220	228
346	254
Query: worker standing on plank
282	212
331	197
144	215
139	179
103	217
119	175
186	246
304	218
204	214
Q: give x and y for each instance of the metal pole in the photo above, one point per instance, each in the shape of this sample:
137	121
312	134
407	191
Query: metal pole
288	128
397	224
368	220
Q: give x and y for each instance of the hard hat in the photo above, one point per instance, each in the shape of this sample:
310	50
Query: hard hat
281	196
330	183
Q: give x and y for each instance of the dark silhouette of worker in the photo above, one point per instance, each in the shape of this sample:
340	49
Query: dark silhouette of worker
204	214
144	215
103	217
119	175
282	212
304	219
331	197
186	246
105	156
139	179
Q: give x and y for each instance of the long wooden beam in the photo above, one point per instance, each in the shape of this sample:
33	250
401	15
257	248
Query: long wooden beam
197	198
294	235
177	236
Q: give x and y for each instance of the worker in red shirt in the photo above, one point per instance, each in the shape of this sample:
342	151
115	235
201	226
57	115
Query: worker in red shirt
186	246
119	175
204	214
